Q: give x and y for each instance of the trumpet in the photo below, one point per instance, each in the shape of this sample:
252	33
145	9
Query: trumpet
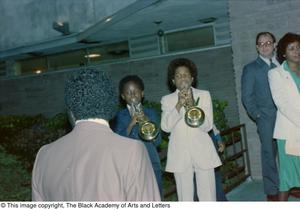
194	116
148	130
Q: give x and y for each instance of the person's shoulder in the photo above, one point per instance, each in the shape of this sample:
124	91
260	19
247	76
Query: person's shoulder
168	95
60	141
277	70
126	142
251	69
251	65
201	91
122	111
171	95
48	148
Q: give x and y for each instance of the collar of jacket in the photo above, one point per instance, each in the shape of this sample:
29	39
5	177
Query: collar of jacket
261	62
96	120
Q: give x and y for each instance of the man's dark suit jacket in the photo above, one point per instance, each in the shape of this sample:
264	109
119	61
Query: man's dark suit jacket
258	101
256	93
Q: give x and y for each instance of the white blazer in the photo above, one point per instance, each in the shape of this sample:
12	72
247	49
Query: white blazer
287	99
188	146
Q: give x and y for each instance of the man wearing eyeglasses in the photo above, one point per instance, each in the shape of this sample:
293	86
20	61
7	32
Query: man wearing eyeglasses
258	102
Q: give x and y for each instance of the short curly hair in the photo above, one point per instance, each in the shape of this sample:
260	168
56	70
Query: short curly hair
180	62
90	93
284	42
131	78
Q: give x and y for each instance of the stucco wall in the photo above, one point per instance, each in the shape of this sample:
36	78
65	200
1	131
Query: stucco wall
25	22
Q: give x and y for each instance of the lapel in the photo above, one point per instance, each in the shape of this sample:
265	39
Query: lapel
286	76
262	64
196	95
126	115
174	97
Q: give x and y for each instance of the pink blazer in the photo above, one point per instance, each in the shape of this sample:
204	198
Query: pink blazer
92	163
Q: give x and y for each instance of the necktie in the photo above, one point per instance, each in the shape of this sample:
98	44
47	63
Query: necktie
272	65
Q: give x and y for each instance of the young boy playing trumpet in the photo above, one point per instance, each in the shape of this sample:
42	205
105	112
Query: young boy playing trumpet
191	150
128	121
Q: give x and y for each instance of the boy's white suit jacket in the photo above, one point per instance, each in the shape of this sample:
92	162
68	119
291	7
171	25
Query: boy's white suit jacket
188	146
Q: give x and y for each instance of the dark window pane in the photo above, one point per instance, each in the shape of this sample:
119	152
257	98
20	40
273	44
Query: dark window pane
32	65
67	60
190	39
109	52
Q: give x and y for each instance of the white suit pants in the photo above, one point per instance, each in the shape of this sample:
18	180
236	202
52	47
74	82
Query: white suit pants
205	181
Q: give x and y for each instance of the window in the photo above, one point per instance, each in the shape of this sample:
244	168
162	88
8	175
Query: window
32	65
72	59
108	52
67	60
189	39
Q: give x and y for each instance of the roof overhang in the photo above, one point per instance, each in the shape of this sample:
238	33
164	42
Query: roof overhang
76	40
137	19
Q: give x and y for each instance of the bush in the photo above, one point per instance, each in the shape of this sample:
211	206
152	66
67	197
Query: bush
14	179
24	135
220	119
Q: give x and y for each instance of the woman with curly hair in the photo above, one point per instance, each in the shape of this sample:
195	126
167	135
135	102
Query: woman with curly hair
285	87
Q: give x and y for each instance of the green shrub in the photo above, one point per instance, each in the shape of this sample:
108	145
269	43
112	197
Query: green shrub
24	135
14	179
220	119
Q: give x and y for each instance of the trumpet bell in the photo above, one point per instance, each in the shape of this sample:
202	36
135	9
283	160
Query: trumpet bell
148	131
194	117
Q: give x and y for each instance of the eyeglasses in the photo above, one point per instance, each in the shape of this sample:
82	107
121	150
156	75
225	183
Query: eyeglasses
293	48
266	44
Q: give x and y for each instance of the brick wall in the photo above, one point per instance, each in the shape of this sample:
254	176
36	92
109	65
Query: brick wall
44	93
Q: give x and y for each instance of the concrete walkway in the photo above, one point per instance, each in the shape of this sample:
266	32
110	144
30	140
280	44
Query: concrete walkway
250	190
